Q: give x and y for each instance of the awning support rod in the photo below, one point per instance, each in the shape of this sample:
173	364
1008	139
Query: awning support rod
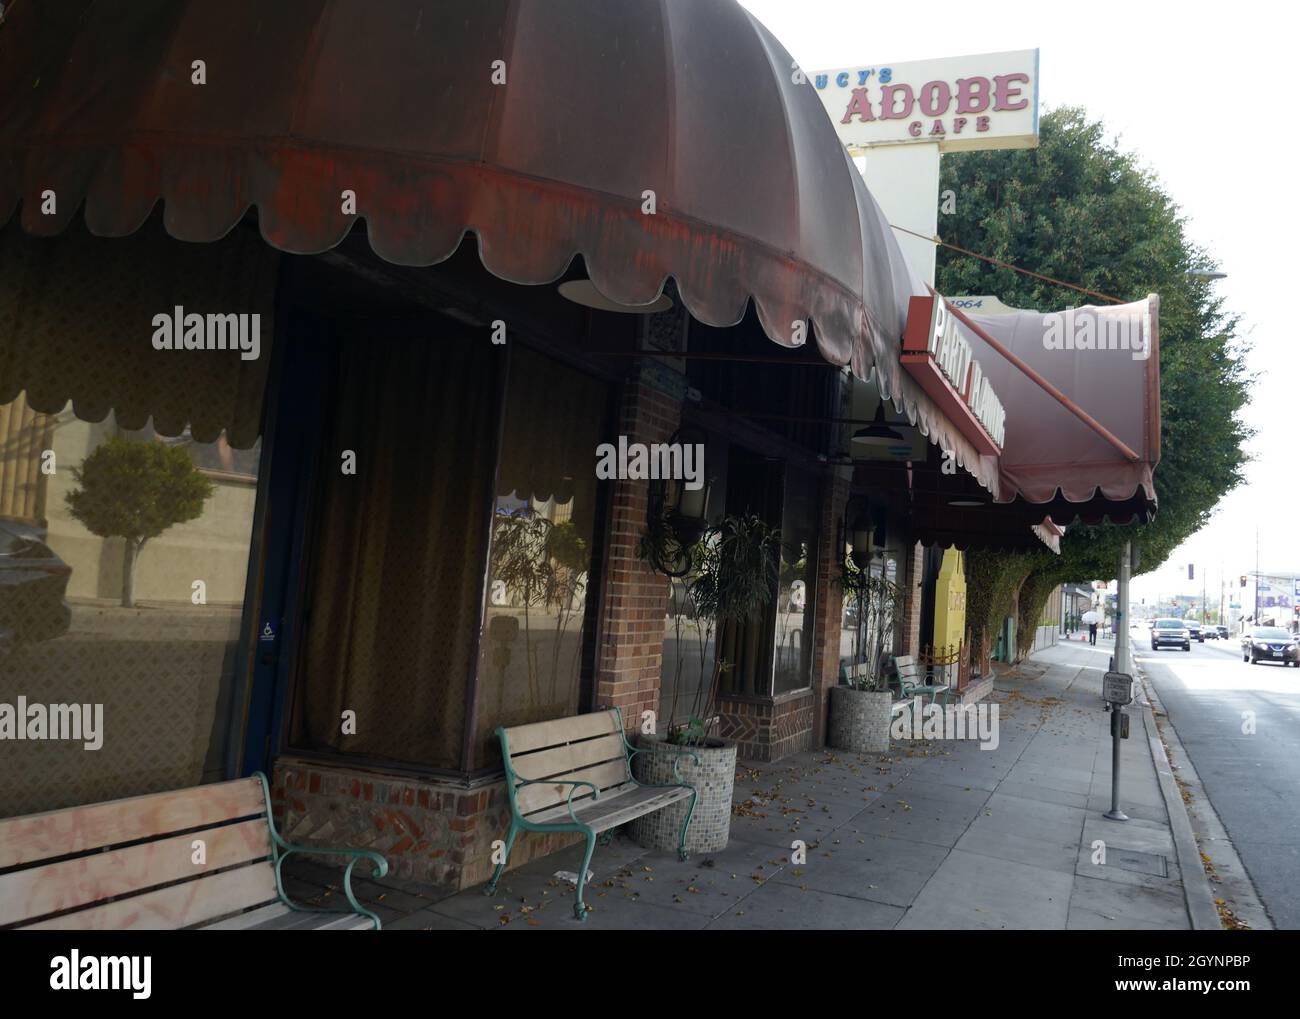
1042	383
701	355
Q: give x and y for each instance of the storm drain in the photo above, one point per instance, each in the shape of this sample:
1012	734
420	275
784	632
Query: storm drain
1143	863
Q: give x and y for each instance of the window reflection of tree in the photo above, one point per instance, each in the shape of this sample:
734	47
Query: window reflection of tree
542	564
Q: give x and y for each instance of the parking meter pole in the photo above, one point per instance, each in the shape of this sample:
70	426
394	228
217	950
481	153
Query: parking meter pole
1116	721
1116	691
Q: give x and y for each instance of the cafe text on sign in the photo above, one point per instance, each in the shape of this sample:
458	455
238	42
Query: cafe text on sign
987	101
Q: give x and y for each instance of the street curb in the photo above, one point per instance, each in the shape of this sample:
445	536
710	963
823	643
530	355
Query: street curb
1201	910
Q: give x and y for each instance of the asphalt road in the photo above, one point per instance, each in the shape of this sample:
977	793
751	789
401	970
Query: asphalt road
1252	780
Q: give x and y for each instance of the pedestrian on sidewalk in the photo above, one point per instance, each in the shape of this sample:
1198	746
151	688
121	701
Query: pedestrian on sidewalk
1092	633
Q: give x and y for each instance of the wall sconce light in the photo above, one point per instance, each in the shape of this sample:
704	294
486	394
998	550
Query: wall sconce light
676	519
858	531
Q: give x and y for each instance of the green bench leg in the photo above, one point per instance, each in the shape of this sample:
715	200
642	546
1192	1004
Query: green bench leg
579	907
491	888
681	841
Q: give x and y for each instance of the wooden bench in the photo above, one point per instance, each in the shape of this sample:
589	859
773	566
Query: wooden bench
575	775
911	685
130	865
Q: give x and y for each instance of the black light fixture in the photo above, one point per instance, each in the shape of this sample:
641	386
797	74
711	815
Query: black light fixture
966	501
676	517
878	433
858	531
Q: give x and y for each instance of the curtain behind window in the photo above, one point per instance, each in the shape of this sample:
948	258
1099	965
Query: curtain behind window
399	551
544	530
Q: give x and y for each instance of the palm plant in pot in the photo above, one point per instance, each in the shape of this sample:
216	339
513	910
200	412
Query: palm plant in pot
732	579
860	705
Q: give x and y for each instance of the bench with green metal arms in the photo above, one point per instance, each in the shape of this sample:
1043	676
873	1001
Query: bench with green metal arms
911	685
208	856
575	775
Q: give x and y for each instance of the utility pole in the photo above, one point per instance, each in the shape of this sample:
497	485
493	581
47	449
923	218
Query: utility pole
1122	653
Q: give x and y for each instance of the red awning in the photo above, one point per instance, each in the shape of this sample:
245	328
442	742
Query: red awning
542	128
1080	390
1106	362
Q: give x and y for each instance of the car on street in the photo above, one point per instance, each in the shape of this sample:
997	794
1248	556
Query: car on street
1223	632
1196	630
33	581
1170	632
1270	644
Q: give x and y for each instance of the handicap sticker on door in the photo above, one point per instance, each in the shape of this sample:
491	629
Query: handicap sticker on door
268	632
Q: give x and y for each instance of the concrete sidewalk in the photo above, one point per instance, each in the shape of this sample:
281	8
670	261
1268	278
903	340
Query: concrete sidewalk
933	835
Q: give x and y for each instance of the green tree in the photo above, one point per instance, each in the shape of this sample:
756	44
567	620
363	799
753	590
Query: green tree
135	491
1079	209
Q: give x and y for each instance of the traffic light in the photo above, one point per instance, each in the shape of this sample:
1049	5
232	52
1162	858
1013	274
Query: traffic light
1243	580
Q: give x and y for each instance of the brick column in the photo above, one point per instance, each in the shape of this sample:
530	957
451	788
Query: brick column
828	604
628	668
913	572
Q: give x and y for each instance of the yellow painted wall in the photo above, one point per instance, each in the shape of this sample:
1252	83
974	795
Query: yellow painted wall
950	601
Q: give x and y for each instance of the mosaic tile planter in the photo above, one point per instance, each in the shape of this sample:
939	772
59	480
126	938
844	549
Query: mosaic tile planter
860	719
713	778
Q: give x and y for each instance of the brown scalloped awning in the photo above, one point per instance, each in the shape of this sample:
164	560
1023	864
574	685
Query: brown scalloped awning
1106	362
1089	455
402	103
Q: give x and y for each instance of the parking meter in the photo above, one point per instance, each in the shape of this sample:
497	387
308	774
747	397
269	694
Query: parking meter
1117	688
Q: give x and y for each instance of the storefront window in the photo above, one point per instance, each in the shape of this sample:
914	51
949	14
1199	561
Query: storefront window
798	577
539	567
123	558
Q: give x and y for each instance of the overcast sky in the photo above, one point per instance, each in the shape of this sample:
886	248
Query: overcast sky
1204	95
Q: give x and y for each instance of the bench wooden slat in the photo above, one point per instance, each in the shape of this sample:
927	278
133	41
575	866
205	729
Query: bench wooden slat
646	800
89	879
178	906
345	922
557	762
532	798
250	920
561	812
557	731
279	917
62	832
618	806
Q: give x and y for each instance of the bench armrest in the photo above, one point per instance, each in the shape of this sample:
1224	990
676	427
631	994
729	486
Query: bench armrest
595	793
281	850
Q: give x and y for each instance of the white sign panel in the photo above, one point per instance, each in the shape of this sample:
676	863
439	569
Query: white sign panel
989	101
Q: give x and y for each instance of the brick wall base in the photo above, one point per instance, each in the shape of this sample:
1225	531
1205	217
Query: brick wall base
768	728
435	833
974	691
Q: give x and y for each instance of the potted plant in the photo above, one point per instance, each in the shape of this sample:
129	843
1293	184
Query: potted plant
732	579
860	705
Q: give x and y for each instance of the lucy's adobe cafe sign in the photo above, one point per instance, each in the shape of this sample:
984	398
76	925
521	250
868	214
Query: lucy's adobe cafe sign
988	101
899	117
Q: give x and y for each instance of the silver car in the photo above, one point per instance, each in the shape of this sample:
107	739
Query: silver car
1167	632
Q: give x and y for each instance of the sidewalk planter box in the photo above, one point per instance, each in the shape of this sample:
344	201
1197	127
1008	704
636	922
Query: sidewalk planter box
714	778
860	719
